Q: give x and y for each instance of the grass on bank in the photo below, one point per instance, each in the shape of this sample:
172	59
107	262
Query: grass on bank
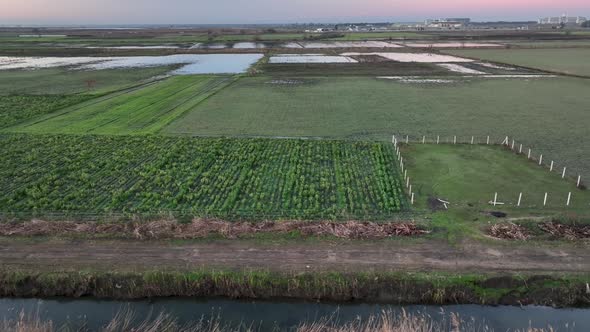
573	61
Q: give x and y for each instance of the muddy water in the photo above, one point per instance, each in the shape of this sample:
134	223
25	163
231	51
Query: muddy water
285	315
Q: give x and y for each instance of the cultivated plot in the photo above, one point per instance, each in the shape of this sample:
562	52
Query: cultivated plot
548	114
134	111
249	178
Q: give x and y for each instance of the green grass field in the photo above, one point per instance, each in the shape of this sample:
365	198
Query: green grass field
468	176
63	81
135	111
550	115
250	178
572	61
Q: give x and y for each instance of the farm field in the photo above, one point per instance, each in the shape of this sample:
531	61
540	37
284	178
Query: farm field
231	178
469	175
383	68
549	114
15	109
59	81
136	111
572	61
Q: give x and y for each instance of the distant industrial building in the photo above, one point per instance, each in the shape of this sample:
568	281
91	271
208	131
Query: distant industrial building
447	23
564	19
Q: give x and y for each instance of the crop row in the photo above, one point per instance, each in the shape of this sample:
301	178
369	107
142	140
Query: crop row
213	176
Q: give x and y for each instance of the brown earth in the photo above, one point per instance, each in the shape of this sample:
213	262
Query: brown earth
288	256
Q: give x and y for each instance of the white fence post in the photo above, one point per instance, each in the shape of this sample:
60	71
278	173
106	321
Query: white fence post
519	199
579	181
408	182
412	199
512	147
545	200
541	160
454	139
410	190
495	198
423	139
393	139
488	141
520	150
563	174
569	199
437	139
407	139
472	140
529	157
551	168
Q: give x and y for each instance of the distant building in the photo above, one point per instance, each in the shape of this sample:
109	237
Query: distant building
564	19
447	23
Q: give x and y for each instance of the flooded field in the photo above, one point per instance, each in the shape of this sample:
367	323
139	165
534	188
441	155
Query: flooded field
351	44
192	63
460	69
452	45
415	57
310	58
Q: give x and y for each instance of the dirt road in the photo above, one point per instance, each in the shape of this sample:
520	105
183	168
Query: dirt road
349	256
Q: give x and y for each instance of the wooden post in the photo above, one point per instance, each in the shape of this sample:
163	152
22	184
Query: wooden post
545	200
407	139
407	182
520	150
423	139
488	141
563	174
495	198
569	199
579	181
512	148
551	168
519	199
437	139
529	154
454	139
541	160
412	199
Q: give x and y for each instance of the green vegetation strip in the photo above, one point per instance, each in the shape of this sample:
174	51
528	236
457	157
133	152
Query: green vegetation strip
246	178
403	288
136	111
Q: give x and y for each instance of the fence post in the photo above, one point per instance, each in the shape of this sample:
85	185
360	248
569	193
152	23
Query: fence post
512	148
520	150
495	198
423	139
407	182
551	168
529	157
541	160
569	198
563	174
519	199
393	139
545	200
454	139
579	181
407	139
410	189
488	141
437	139
472	139
412	199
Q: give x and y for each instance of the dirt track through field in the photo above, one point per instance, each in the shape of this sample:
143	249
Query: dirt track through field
324	256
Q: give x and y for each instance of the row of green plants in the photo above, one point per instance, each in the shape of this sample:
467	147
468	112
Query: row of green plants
203	176
15	109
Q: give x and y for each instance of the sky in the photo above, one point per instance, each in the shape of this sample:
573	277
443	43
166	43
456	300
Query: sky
276	11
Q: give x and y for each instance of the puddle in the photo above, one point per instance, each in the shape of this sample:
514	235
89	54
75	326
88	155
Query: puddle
417	80
460	69
452	45
493	66
353	44
415	57
248	45
193	63
310	58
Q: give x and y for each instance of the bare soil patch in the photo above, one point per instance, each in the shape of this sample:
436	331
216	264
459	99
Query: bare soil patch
201	228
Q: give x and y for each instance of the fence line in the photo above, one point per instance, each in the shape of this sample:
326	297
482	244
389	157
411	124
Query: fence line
509	143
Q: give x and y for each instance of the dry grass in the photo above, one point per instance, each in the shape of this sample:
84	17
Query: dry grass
386	321
200	228
568	232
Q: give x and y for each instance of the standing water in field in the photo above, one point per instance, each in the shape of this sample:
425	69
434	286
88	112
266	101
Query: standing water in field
193	63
